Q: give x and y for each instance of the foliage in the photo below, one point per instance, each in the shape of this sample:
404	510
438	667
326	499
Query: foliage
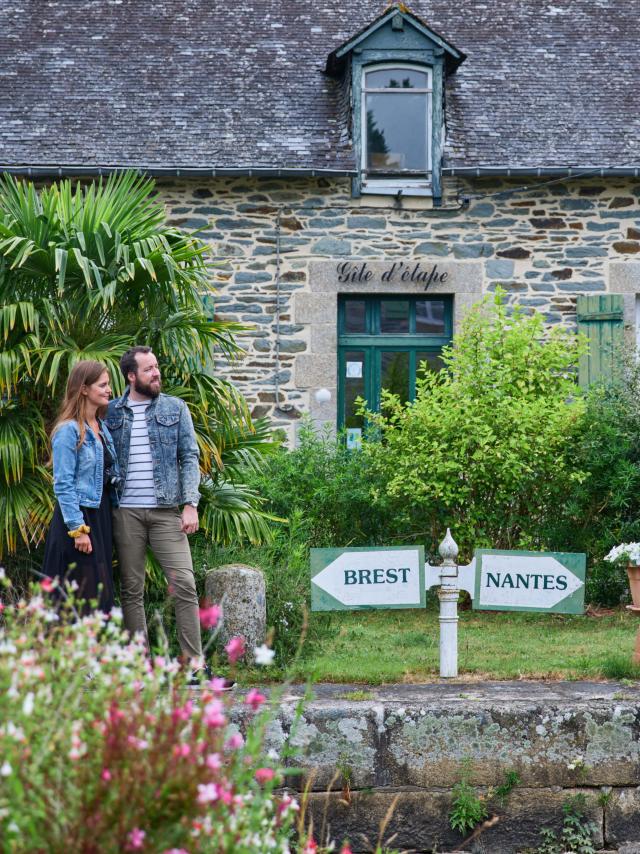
84	274
486	446
101	746
468	809
577	832
603	509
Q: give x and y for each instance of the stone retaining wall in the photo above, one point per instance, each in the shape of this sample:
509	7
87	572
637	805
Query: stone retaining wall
545	245
415	742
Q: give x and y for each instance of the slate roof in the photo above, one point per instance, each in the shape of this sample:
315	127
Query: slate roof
202	83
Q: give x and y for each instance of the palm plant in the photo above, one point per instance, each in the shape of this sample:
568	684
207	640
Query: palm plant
86	272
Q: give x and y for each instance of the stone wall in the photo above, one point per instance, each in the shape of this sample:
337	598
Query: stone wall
545	245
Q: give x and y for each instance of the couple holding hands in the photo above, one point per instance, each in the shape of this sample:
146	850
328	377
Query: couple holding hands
122	471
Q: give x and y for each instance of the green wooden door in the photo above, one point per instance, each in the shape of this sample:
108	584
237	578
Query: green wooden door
600	318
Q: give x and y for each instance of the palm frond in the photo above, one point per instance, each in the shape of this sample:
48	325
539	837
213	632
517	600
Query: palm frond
231	512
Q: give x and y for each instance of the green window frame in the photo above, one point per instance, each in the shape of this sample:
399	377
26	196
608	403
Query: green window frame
382	341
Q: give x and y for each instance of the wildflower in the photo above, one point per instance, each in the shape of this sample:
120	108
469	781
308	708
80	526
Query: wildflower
213	714
183	713
208	793
235	649
213	761
106	775
1	607
182	750
345	849
234	742
209	616
263	655
263	775
218	684
116	615
27	705
254	699
286	804
175	851
310	847
5	769
49	584
135	839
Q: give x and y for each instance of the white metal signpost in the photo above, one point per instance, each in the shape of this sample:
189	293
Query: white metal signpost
397	577
360	579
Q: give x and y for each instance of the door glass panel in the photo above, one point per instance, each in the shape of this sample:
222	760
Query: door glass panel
355	316
394	374
353	378
433	362
430	316
394	316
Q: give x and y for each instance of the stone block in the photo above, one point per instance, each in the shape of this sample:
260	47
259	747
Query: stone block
624	277
622	816
314	308
324	337
431	247
472	250
316	371
331	246
500	269
240	590
359	221
419	819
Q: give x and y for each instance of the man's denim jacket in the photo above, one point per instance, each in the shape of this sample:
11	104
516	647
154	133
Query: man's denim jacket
78	471
173	445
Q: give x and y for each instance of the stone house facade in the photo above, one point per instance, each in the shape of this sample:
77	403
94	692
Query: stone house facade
363	175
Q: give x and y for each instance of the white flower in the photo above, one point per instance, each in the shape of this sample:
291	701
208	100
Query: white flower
6	769
27	706
116	614
263	655
629	551
2	572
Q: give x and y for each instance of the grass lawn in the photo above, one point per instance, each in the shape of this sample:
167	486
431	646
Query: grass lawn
374	647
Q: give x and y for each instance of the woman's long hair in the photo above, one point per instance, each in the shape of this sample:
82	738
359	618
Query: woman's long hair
74	403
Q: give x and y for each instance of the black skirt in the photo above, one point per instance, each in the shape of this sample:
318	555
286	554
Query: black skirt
92	572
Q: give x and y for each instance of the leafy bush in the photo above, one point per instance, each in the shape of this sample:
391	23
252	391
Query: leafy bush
486	447
103	748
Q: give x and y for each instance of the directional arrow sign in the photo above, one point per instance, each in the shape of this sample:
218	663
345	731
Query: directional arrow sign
529	581
359	579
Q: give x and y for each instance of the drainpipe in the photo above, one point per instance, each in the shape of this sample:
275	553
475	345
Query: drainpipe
284	407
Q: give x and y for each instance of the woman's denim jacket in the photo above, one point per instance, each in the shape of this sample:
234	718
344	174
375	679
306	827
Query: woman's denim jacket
78	471
173	445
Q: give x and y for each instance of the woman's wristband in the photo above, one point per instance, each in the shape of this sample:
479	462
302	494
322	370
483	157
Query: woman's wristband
79	531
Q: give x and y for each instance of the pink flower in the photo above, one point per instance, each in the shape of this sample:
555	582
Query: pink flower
213	761
213	714
234	741
183	713
217	684
263	775
235	649
1	607
209	616
254	699
287	803
345	849
181	750
310	847
106	775
47	585
208	793
175	851
135	839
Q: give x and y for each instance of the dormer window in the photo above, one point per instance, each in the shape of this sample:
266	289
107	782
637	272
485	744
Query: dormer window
396	126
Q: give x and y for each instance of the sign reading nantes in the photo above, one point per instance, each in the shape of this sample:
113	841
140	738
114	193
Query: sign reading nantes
529	581
359	579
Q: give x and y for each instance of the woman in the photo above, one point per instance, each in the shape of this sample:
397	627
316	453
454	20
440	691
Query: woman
85	475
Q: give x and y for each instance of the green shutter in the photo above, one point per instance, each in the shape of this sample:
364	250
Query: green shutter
600	318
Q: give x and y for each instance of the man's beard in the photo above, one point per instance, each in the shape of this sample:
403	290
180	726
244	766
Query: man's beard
146	389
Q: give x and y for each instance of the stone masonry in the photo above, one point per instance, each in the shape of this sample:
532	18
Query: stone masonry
545	245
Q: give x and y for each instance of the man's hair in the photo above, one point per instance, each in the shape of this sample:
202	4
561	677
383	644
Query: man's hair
128	363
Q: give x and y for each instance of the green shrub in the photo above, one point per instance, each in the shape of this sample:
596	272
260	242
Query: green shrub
485	448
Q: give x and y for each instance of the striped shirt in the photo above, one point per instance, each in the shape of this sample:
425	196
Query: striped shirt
138	488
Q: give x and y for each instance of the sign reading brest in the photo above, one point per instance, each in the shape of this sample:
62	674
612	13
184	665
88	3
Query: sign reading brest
353	579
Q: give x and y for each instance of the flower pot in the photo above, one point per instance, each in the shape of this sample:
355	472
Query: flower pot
633	573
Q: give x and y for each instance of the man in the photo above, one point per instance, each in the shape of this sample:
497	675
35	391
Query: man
158	456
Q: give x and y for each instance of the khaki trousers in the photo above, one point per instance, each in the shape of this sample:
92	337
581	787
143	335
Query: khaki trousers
135	528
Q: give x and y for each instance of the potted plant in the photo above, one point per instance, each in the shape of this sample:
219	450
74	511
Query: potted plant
630	554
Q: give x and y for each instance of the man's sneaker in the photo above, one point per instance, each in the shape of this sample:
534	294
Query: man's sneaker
204	674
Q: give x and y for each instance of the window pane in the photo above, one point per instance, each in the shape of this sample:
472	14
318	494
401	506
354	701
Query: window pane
430	316
394	316
354	316
397	78
354	373
394	374
396	132
433	363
